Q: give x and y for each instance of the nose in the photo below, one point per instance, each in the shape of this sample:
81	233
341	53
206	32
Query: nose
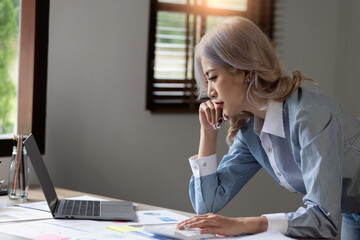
211	91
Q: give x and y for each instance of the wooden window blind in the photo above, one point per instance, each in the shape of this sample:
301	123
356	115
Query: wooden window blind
175	27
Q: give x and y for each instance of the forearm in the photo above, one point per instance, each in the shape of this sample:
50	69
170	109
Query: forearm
252	225
208	141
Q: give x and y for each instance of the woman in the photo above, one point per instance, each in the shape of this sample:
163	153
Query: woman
308	142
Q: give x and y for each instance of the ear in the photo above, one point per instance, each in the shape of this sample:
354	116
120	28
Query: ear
248	74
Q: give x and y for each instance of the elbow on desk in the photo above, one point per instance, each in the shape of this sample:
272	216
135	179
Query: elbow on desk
327	231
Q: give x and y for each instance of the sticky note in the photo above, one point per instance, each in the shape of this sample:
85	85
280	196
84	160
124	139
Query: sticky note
123	228
50	237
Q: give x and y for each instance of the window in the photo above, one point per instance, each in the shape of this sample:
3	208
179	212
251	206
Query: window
175	27
9	22
31	72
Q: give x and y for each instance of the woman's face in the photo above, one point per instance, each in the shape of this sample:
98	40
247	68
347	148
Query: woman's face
227	89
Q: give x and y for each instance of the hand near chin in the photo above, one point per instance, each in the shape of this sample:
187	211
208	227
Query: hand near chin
213	223
210	116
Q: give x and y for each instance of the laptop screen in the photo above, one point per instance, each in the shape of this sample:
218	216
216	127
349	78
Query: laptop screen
41	172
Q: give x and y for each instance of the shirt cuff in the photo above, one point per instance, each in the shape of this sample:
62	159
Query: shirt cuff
203	166
277	222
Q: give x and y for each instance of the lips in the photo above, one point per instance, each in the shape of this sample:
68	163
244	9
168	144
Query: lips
219	104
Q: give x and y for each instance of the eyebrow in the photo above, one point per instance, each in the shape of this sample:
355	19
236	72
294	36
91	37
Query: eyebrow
209	70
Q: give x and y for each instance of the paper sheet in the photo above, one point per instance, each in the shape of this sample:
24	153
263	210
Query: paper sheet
75	229
10	214
54	228
155	217
69	229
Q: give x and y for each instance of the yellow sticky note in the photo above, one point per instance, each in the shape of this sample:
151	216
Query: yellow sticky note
123	228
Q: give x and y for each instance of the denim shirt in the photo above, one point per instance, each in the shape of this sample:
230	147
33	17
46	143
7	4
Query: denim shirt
321	147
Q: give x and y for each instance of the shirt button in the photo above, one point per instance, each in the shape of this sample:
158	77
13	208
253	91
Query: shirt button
269	150
278	173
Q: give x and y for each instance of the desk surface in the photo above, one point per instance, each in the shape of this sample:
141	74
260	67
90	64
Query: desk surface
36	194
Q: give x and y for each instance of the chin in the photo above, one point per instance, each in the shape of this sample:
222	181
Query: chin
226	114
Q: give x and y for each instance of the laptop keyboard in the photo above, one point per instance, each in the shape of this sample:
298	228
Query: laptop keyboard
81	208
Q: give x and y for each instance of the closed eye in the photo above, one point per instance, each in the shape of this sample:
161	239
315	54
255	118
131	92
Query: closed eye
212	78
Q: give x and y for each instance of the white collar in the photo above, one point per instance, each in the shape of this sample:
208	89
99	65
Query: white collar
273	122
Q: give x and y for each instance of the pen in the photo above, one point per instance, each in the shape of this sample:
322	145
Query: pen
17	165
218	124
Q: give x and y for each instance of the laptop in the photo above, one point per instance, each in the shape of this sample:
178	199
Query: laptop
75	209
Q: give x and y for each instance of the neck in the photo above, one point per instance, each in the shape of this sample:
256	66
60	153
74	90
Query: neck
259	113
256	112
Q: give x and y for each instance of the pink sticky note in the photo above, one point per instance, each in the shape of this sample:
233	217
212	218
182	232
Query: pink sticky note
50	237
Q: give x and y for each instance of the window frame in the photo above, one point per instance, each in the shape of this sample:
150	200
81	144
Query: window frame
33	59
260	12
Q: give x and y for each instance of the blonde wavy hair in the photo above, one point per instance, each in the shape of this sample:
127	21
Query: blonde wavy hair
238	43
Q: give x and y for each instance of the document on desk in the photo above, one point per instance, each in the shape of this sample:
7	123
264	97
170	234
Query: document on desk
10	214
55	229
155	217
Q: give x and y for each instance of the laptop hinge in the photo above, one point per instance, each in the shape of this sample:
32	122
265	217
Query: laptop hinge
56	207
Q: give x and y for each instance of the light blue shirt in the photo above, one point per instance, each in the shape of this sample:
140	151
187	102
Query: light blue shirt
309	144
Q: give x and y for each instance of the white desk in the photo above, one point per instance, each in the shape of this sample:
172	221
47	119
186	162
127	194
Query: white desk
36	194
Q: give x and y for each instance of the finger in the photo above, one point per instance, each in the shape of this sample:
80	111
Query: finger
212	114
220	119
181	225
189	222
207	111
204	223
218	113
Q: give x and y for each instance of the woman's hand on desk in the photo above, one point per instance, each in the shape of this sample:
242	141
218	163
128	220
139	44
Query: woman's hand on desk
225	226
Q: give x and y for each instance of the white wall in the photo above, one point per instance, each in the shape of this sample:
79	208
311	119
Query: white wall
99	137
347	81
309	37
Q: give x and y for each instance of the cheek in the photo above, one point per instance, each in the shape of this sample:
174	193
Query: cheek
236	98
